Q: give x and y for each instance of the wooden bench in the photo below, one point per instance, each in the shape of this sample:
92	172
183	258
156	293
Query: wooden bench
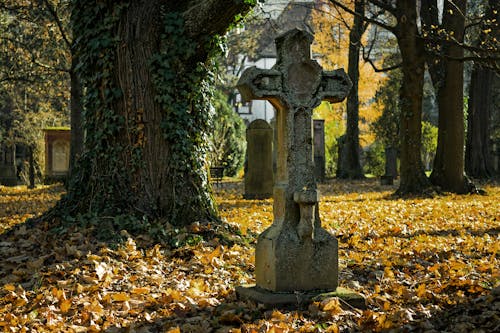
217	173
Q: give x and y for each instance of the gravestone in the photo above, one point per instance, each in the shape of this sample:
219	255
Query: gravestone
391	167
259	166
8	170
57	146
295	255
319	149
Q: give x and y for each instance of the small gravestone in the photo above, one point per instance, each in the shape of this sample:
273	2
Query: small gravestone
259	166
8	170
295	257
391	168
57	146
319	149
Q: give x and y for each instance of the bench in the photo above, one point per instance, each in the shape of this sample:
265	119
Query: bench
217	173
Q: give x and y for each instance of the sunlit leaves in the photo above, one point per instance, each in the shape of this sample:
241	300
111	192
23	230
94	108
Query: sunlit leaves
412	259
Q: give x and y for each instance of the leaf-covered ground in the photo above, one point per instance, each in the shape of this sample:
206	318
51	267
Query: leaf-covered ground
424	265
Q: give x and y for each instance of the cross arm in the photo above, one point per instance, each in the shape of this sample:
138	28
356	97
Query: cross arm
256	83
335	86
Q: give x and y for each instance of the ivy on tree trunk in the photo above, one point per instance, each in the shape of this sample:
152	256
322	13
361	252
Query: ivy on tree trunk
146	69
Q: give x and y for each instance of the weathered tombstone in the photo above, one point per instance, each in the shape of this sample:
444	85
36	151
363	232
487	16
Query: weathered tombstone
295	256
259	167
8	170
319	149
57	145
391	168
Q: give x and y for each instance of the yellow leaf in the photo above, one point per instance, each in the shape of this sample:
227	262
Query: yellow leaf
65	305
174	330
120	297
333	328
139	291
421	290
332	305
9	287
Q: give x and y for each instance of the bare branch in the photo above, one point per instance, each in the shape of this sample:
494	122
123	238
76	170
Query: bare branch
367	19
53	13
366	58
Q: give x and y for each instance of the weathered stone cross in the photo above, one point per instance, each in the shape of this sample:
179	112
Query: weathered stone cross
295	253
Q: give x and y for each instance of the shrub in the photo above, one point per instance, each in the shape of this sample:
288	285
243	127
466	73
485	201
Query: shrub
227	143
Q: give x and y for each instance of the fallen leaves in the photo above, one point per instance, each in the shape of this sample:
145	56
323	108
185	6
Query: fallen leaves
423	264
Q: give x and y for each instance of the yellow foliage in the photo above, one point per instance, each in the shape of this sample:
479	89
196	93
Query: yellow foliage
408	257
331	45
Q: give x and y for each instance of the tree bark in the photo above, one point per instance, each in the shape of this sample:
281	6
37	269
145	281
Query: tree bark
350	166
412	176
31	172
130	163
478	159
448	169
483	110
76	113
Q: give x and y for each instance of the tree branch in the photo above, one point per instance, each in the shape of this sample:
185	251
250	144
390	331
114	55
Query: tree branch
212	17
366	58
366	19
53	12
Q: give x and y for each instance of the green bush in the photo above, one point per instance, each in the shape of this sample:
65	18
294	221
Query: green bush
429	143
227	140
375	159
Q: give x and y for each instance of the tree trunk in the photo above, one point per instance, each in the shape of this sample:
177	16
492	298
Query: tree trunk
31	172
483	110
143	64
448	169
76	113
478	159
413	179
351	165
391	162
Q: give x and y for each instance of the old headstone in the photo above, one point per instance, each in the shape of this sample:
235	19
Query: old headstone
259	166
391	167
295	255
57	145
8	170
319	149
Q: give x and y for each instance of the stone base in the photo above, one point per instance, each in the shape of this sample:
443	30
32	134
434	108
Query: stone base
284	262
297	299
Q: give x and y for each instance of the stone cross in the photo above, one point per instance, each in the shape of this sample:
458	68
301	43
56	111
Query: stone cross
295	253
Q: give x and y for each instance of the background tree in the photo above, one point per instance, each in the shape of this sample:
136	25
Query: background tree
484	103
33	70
447	72
413	54
338	38
351	166
146	67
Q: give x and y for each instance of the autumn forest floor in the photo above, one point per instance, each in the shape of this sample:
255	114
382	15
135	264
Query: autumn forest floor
423	264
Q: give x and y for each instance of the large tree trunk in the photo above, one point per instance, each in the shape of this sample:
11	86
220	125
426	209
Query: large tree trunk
413	179
478	159
350	166
143	66
448	170
76	105
483	110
